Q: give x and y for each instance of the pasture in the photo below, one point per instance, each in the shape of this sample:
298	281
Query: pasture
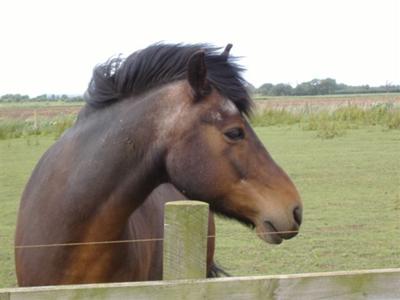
349	184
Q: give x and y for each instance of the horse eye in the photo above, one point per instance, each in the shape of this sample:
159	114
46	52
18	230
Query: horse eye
235	134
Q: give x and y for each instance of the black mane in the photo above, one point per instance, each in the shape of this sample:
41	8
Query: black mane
160	64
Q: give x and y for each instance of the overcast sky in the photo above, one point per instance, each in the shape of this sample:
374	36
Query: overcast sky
52	46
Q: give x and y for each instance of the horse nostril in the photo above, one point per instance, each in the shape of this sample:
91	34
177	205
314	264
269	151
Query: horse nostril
297	214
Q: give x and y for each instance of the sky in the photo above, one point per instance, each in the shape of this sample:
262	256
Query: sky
52	46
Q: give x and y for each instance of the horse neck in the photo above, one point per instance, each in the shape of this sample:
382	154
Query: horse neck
132	154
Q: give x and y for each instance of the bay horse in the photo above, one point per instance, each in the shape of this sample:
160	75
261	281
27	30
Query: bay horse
170	113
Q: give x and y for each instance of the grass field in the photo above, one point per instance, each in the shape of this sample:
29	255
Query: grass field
351	97
349	184
351	191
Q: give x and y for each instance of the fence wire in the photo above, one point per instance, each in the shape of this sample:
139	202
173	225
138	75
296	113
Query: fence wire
241	253
302	232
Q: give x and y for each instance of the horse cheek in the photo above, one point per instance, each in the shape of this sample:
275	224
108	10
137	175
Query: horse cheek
188	169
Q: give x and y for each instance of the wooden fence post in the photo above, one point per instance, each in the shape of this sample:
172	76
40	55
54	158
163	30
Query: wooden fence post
185	240
35	122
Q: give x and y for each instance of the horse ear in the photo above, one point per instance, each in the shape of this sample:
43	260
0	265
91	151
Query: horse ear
228	48
197	74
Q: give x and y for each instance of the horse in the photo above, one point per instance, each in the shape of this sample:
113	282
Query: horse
169	113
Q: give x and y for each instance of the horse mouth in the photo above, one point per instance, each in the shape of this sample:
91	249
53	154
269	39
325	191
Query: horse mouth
269	233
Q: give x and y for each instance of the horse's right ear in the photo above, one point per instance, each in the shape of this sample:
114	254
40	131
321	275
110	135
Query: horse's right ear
197	75
228	48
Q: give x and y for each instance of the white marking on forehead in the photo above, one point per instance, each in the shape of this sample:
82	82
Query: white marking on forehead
226	107
229	107
216	116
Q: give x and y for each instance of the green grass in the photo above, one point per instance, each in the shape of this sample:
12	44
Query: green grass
17	159
327	97
349	185
16	128
329	124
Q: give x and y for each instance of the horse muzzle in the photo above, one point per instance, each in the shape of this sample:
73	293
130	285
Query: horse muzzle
275	232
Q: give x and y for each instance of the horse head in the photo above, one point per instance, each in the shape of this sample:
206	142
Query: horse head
215	156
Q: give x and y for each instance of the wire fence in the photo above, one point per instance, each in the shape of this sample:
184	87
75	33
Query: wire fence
322	230
241	253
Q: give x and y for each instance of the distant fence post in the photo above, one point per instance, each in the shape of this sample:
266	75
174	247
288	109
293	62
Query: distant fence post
35	123
185	240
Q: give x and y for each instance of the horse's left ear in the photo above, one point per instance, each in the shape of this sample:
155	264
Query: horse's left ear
197	75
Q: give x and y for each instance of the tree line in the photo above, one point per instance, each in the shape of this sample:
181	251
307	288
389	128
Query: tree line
40	98
326	86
